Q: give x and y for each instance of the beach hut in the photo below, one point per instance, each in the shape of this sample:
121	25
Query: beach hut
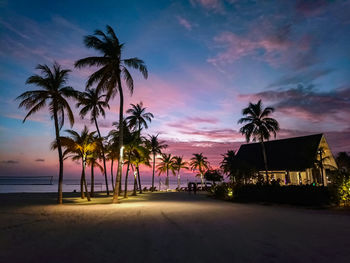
298	160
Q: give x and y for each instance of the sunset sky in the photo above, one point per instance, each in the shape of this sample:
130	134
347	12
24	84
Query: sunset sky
206	60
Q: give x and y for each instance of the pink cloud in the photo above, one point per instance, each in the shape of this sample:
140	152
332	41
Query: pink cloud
278	49
212	5
184	22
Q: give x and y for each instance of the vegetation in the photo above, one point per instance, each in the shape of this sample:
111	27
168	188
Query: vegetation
53	93
179	164
199	163
137	120
92	101
259	126
213	175
166	164
155	146
112	68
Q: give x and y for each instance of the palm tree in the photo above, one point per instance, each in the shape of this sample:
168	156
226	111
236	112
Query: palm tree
138	118
112	68
91	101
53	92
112	154
156	147
200	163
80	147
259	126
166	164
179	164
92	162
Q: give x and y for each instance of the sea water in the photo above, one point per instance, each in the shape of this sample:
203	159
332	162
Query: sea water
71	185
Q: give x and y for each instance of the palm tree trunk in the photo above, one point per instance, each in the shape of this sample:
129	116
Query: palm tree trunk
112	162
120	185
135	181
103	156
265	161
82	195
60	157
92	181
126	178
84	180
138	177
202	180
167	178
154	164
178	180
120	158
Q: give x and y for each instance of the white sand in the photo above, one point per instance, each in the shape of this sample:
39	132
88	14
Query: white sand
167	227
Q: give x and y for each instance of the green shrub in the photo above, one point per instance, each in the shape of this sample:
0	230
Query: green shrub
222	191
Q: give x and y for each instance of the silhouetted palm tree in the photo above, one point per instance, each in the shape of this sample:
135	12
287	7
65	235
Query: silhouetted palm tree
92	161
166	164
80	147
112	68
178	165
112	154
200	163
156	147
137	119
91	101
53	93
259	126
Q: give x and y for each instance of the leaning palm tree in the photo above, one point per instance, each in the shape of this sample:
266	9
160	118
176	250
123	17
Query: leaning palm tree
137	119
259	126
156	147
91	101
166	164
112	68
53	93
79	147
179	164
200	163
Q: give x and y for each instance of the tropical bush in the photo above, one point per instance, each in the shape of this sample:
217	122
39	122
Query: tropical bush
306	195
340	187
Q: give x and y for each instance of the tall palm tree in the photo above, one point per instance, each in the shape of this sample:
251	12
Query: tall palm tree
80	147
112	69
166	164
259	126
156	147
179	164
137	119
53	93
200	163
91	101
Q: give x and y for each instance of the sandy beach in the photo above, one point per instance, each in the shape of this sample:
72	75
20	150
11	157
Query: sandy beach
167	227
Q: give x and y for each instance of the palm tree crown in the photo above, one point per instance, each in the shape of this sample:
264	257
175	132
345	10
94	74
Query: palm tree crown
199	162
111	65
92	101
259	125
53	92
155	145
138	116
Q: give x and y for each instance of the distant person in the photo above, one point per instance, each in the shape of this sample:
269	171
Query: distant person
189	187
195	188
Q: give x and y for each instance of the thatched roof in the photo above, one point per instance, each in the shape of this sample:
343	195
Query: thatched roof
292	154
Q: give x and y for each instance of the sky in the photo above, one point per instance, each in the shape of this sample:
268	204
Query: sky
207	59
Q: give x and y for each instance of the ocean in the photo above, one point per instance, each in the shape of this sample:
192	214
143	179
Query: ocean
42	185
